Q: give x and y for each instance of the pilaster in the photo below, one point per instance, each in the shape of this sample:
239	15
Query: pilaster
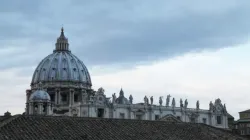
58	96
48	108
71	97
40	107
31	108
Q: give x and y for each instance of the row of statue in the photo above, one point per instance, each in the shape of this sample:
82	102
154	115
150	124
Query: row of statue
146	101
173	104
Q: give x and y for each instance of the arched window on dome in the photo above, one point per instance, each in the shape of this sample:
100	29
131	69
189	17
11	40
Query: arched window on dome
64	71
43	74
75	74
75	70
54	69
36	75
43	70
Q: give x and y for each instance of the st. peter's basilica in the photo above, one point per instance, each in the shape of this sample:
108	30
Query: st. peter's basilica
61	86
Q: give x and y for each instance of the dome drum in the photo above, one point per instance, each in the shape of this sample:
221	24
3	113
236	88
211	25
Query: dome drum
63	84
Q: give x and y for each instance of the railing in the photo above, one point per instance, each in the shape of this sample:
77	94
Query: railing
157	107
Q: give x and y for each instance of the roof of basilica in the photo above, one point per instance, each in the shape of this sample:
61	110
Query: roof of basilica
78	128
61	66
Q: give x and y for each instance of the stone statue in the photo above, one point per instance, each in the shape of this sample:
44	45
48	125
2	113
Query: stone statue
181	103
146	100
131	99
168	100
84	96
198	105
100	90
211	106
114	98
151	99
173	102
186	103
160	101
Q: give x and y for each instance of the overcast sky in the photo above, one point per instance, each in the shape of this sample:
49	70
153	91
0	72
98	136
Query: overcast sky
193	49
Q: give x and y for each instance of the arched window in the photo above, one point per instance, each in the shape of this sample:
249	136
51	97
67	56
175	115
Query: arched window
64	71
54	69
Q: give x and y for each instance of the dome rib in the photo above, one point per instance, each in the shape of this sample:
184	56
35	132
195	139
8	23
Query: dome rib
78	69
49	69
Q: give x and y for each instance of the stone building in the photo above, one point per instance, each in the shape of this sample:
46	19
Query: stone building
242	126
61	86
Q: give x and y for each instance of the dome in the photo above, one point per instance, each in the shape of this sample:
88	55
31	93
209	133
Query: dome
39	95
62	66
122	99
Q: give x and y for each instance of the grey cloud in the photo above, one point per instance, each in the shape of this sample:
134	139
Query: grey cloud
115	32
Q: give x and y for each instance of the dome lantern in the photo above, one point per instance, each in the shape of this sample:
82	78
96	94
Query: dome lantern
62	42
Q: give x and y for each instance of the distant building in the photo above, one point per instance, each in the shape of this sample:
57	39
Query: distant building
242	125
61	86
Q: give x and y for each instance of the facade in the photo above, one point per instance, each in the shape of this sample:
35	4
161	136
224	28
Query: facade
61	86
242	126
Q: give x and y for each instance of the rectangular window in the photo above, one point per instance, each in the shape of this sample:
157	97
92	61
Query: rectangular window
75	97
52	97
218	119
242	132
157	117
204	120
192	120
64	97
100	113
248	125
138	117
178	117
122	115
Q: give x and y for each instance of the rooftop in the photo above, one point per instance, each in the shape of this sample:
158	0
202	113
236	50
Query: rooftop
246	111
79	128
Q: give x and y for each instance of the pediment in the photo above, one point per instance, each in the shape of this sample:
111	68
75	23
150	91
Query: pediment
170	118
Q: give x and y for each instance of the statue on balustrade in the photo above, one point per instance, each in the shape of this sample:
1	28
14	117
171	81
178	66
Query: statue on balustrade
131	99
160	101
181	103
146	100
84	97
151	100
114	98
168	100
173	102
211	106
198	105
186	103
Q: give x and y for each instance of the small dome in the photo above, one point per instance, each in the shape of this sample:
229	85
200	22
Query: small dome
121	99
39	95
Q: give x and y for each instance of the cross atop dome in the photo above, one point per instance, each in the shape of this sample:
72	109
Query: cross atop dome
62	42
